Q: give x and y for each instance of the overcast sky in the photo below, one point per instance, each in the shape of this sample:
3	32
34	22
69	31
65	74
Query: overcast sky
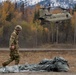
30	1
22	0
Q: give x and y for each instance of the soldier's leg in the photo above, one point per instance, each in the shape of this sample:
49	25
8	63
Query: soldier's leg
17	59
7	62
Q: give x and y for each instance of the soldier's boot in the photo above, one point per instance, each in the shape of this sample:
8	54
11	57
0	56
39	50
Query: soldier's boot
17	59
4	65
7	62
16	62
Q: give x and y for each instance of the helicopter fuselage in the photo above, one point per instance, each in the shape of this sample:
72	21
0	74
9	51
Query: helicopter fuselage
45	15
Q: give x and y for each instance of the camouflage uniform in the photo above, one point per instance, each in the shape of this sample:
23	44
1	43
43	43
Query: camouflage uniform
14	54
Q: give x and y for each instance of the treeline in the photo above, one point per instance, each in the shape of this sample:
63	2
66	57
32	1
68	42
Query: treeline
34	34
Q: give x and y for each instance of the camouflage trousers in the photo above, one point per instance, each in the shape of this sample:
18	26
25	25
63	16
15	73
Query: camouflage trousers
13	56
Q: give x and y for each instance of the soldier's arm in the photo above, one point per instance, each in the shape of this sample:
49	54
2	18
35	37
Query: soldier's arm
12	40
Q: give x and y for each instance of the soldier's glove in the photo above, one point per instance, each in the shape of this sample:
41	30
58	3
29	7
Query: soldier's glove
12	47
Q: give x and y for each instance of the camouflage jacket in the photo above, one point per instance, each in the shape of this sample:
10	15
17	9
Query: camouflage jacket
14	40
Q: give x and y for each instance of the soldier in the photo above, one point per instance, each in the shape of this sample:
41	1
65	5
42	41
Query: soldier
14	47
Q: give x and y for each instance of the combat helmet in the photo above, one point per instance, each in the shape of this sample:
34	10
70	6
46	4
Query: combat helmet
18	27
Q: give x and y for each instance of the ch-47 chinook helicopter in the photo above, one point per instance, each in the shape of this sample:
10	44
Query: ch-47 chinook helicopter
47	17
44	14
